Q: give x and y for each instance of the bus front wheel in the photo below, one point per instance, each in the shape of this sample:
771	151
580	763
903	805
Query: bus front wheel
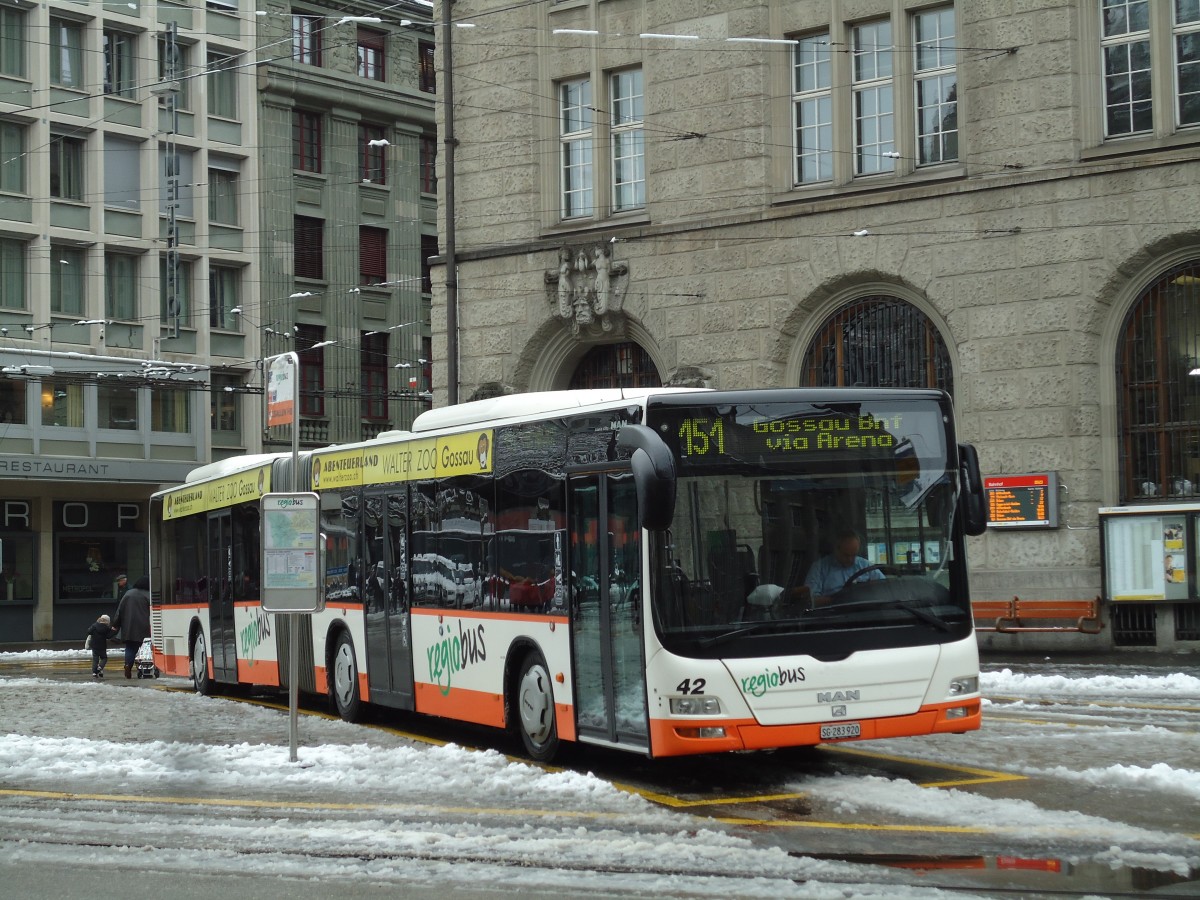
343	680
535	709
199	663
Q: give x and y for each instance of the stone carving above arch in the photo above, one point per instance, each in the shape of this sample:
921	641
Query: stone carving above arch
689	376
588	288
490	389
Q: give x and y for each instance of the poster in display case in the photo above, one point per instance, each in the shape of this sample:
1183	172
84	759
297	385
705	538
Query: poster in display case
1145	552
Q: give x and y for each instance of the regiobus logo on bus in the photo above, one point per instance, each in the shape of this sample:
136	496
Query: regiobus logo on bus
453	653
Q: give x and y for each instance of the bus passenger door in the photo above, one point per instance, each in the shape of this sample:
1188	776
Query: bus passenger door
385	600
222	632
608	645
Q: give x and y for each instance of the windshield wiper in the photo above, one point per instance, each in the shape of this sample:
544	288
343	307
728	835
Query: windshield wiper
919	612
756	628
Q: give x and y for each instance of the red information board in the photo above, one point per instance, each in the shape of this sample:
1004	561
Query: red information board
1022	501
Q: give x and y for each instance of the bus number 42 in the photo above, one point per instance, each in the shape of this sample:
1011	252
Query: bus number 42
691	686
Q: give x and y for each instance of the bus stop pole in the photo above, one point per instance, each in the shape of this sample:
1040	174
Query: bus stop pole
294	618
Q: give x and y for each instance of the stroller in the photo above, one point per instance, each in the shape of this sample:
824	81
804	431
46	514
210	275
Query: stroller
145	661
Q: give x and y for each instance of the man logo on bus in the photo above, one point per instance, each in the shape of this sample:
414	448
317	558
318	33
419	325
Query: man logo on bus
316	475
482	451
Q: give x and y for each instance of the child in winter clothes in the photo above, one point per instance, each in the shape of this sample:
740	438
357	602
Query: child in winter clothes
99	632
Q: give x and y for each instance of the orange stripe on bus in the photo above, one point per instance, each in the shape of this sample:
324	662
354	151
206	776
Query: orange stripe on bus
258	671
485	614
466	705
677	737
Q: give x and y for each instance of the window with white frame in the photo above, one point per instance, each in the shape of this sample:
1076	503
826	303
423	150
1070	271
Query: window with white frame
1136	36
12	42
874	110
812	108
575	136
628	140
936	85
67	282
12	158
842	134
620	176
66	53
120	286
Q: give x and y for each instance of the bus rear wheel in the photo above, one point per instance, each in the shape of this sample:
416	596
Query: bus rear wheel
199	664
535	719
343	680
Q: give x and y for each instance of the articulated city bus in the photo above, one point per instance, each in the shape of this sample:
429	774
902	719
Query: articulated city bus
640	569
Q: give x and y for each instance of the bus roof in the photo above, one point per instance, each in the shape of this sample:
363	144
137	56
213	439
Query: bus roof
234	464
532	405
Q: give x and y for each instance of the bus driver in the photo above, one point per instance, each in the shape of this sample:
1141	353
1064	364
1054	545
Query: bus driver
830	573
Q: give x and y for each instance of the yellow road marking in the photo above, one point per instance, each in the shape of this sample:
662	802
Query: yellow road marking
978	776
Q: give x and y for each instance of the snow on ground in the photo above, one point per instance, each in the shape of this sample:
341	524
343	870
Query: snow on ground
234	750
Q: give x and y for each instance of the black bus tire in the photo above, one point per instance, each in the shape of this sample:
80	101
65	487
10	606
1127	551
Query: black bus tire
343	680
533	706
199	665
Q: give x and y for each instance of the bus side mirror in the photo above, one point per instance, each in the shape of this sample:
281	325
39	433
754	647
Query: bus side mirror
653	475
972	505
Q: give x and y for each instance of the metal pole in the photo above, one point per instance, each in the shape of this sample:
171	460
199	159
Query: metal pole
294	618
447	89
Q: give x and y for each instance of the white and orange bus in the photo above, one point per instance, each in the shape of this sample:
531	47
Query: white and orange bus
628	568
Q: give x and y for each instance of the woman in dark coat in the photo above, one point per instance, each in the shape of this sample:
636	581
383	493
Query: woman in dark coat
133	619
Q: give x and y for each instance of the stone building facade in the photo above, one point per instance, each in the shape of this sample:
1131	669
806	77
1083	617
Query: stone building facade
999	199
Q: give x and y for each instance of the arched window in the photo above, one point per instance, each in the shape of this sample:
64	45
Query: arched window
616	365
878	341
1158	389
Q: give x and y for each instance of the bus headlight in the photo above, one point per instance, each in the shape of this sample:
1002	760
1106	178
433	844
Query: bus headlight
968	684
695	706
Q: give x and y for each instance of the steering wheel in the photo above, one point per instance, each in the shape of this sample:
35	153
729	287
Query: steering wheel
886	570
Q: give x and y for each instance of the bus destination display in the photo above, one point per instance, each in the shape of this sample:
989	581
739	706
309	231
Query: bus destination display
800	434
1022	501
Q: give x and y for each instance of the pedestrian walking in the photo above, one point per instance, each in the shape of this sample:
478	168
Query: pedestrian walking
133	619
98	634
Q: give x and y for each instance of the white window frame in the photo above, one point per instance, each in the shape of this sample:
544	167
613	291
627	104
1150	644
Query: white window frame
1154	31
576	138
812	109
627	133
935	85
872	61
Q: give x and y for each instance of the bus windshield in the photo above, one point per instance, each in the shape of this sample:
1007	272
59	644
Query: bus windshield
798	520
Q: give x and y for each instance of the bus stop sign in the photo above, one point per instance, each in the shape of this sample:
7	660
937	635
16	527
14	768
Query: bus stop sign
292	557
